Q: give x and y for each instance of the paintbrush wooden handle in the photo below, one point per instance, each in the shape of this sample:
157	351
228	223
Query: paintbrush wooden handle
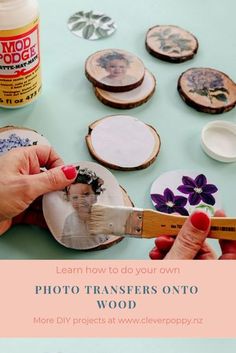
156	223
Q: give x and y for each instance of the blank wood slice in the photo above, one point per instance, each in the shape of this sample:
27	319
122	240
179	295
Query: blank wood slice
207	90
114	70
15	136
130	99
171	43
123	142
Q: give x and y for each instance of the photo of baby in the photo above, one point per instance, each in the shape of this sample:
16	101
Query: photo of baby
116	66
114	70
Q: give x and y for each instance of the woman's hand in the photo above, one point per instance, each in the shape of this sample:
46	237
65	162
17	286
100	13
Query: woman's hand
22	181
190	242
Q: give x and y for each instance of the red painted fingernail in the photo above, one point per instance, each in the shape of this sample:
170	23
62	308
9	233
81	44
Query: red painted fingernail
200	220
69	171
154	254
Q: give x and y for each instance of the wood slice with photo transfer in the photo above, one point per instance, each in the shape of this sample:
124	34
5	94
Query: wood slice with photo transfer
171	43
123	142
67	211
15	136
114	70
207	90
130	99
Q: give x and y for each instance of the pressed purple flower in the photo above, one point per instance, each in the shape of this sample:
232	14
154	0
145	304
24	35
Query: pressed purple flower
198	190
204	79
169	203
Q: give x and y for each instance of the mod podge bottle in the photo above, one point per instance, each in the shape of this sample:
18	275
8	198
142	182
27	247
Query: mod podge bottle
20	78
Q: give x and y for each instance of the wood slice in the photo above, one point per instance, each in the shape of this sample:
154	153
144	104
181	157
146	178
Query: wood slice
123	142
207	90
130	99
114	70
15	136
171	43
67	212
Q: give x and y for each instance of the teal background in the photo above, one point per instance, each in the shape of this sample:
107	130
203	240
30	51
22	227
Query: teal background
116	346
67	106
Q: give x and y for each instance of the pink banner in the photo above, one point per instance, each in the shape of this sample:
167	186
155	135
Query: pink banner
117	298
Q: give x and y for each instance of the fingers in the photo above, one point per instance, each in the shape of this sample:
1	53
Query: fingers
163	244
28	160
155	254
23	180
47	157
5	225
42	156
228	247
52	180
190	238
219	213
206	253
55	177
229	256
32	215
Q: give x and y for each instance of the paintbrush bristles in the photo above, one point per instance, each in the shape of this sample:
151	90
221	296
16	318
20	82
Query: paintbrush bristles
136	222
108	219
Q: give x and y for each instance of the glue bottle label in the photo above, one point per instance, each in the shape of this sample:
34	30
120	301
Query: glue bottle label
20	78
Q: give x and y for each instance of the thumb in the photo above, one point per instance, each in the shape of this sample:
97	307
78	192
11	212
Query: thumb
190	238
5	225
52	180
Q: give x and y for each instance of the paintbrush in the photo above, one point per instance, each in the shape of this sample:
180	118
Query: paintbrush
141	223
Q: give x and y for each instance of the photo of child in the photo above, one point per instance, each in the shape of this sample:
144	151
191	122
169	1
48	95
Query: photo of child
82	194
116	66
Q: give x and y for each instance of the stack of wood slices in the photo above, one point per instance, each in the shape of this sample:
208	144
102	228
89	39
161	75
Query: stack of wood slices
120	78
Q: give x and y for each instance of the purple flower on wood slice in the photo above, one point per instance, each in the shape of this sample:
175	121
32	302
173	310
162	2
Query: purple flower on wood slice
198	190
169	203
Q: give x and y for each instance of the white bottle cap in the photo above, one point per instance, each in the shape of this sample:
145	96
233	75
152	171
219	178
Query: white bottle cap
218	139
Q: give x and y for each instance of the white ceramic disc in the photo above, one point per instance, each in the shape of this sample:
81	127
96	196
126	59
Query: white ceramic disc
123	142
12	137
218	140
66	212
183	191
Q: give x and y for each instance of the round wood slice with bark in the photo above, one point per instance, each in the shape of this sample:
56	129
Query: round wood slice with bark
171	43
67	212
122	142
130	99
207	90
16	136
114	70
